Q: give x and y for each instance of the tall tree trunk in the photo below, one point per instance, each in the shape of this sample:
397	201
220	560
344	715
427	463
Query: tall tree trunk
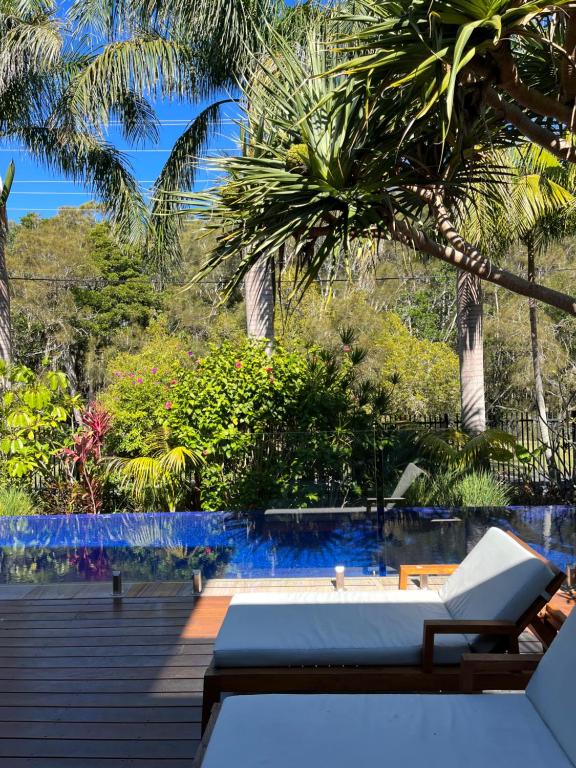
471	352
539	397
259	297
5	327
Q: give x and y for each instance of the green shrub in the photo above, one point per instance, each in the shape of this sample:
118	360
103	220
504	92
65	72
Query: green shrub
15	501
268	428
36	414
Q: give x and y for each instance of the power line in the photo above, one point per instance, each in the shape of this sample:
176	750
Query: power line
103	282
34	209
126	150
66	181
51	194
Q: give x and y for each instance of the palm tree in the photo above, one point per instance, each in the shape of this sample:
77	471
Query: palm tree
161	478
205	47
55	101
187	50
5	325
542	210
471	352
39	111
259	292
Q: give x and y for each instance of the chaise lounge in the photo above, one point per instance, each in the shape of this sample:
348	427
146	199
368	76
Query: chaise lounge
507	730
378	641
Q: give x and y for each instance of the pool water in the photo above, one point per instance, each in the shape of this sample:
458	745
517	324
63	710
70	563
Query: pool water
170	546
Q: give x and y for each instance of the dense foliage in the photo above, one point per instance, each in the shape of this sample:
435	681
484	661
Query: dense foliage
36	421
191	429
266	428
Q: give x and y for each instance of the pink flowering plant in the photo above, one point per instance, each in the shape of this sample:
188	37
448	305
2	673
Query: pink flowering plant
229	403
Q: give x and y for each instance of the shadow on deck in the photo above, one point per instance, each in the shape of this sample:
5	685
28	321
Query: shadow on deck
89	682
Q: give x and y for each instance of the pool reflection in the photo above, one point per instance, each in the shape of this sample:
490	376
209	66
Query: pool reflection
170	546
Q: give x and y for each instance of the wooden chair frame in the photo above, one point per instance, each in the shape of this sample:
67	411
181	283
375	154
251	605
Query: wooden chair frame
425	677
478	671
497	671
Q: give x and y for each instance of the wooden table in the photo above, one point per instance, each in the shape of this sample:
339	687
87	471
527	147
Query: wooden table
553	615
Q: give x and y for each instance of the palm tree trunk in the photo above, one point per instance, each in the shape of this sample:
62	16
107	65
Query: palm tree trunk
471	352
5	327
259	297
537	360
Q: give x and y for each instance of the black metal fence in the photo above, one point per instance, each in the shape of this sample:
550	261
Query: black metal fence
551	465
315	469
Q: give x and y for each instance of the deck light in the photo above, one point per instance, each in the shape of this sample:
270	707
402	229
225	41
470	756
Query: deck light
339	571
197	581
116	583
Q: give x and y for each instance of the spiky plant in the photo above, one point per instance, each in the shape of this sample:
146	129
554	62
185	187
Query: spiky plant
360	178
161	478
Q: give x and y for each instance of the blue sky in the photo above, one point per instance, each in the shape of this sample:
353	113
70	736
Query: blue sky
37	189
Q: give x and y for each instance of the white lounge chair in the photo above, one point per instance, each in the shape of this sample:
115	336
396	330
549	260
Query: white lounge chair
507	730
387	640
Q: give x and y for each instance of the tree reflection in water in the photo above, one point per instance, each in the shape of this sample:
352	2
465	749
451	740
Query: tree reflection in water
171	546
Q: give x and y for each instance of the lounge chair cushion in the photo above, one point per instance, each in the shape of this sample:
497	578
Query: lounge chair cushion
373	627
498	580
361	730
552	687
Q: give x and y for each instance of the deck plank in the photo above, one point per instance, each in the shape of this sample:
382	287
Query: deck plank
93	682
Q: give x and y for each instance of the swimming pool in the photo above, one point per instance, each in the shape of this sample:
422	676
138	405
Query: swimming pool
169	546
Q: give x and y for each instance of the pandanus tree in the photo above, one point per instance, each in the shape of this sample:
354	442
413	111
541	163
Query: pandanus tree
330	168
513	59
435	74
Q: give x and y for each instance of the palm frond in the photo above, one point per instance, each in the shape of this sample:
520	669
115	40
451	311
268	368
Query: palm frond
178	173
90	160
130	70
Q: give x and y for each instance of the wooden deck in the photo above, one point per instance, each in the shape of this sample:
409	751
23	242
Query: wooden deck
89	682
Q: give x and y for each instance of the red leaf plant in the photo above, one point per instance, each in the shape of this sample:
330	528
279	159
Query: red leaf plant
85	455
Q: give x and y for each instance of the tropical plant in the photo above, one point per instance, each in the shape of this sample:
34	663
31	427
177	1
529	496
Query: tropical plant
543	210
189	51
46	112
266	428
161	479
440	173
513	60
456	450
5	324
354	182
85	455
36	412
